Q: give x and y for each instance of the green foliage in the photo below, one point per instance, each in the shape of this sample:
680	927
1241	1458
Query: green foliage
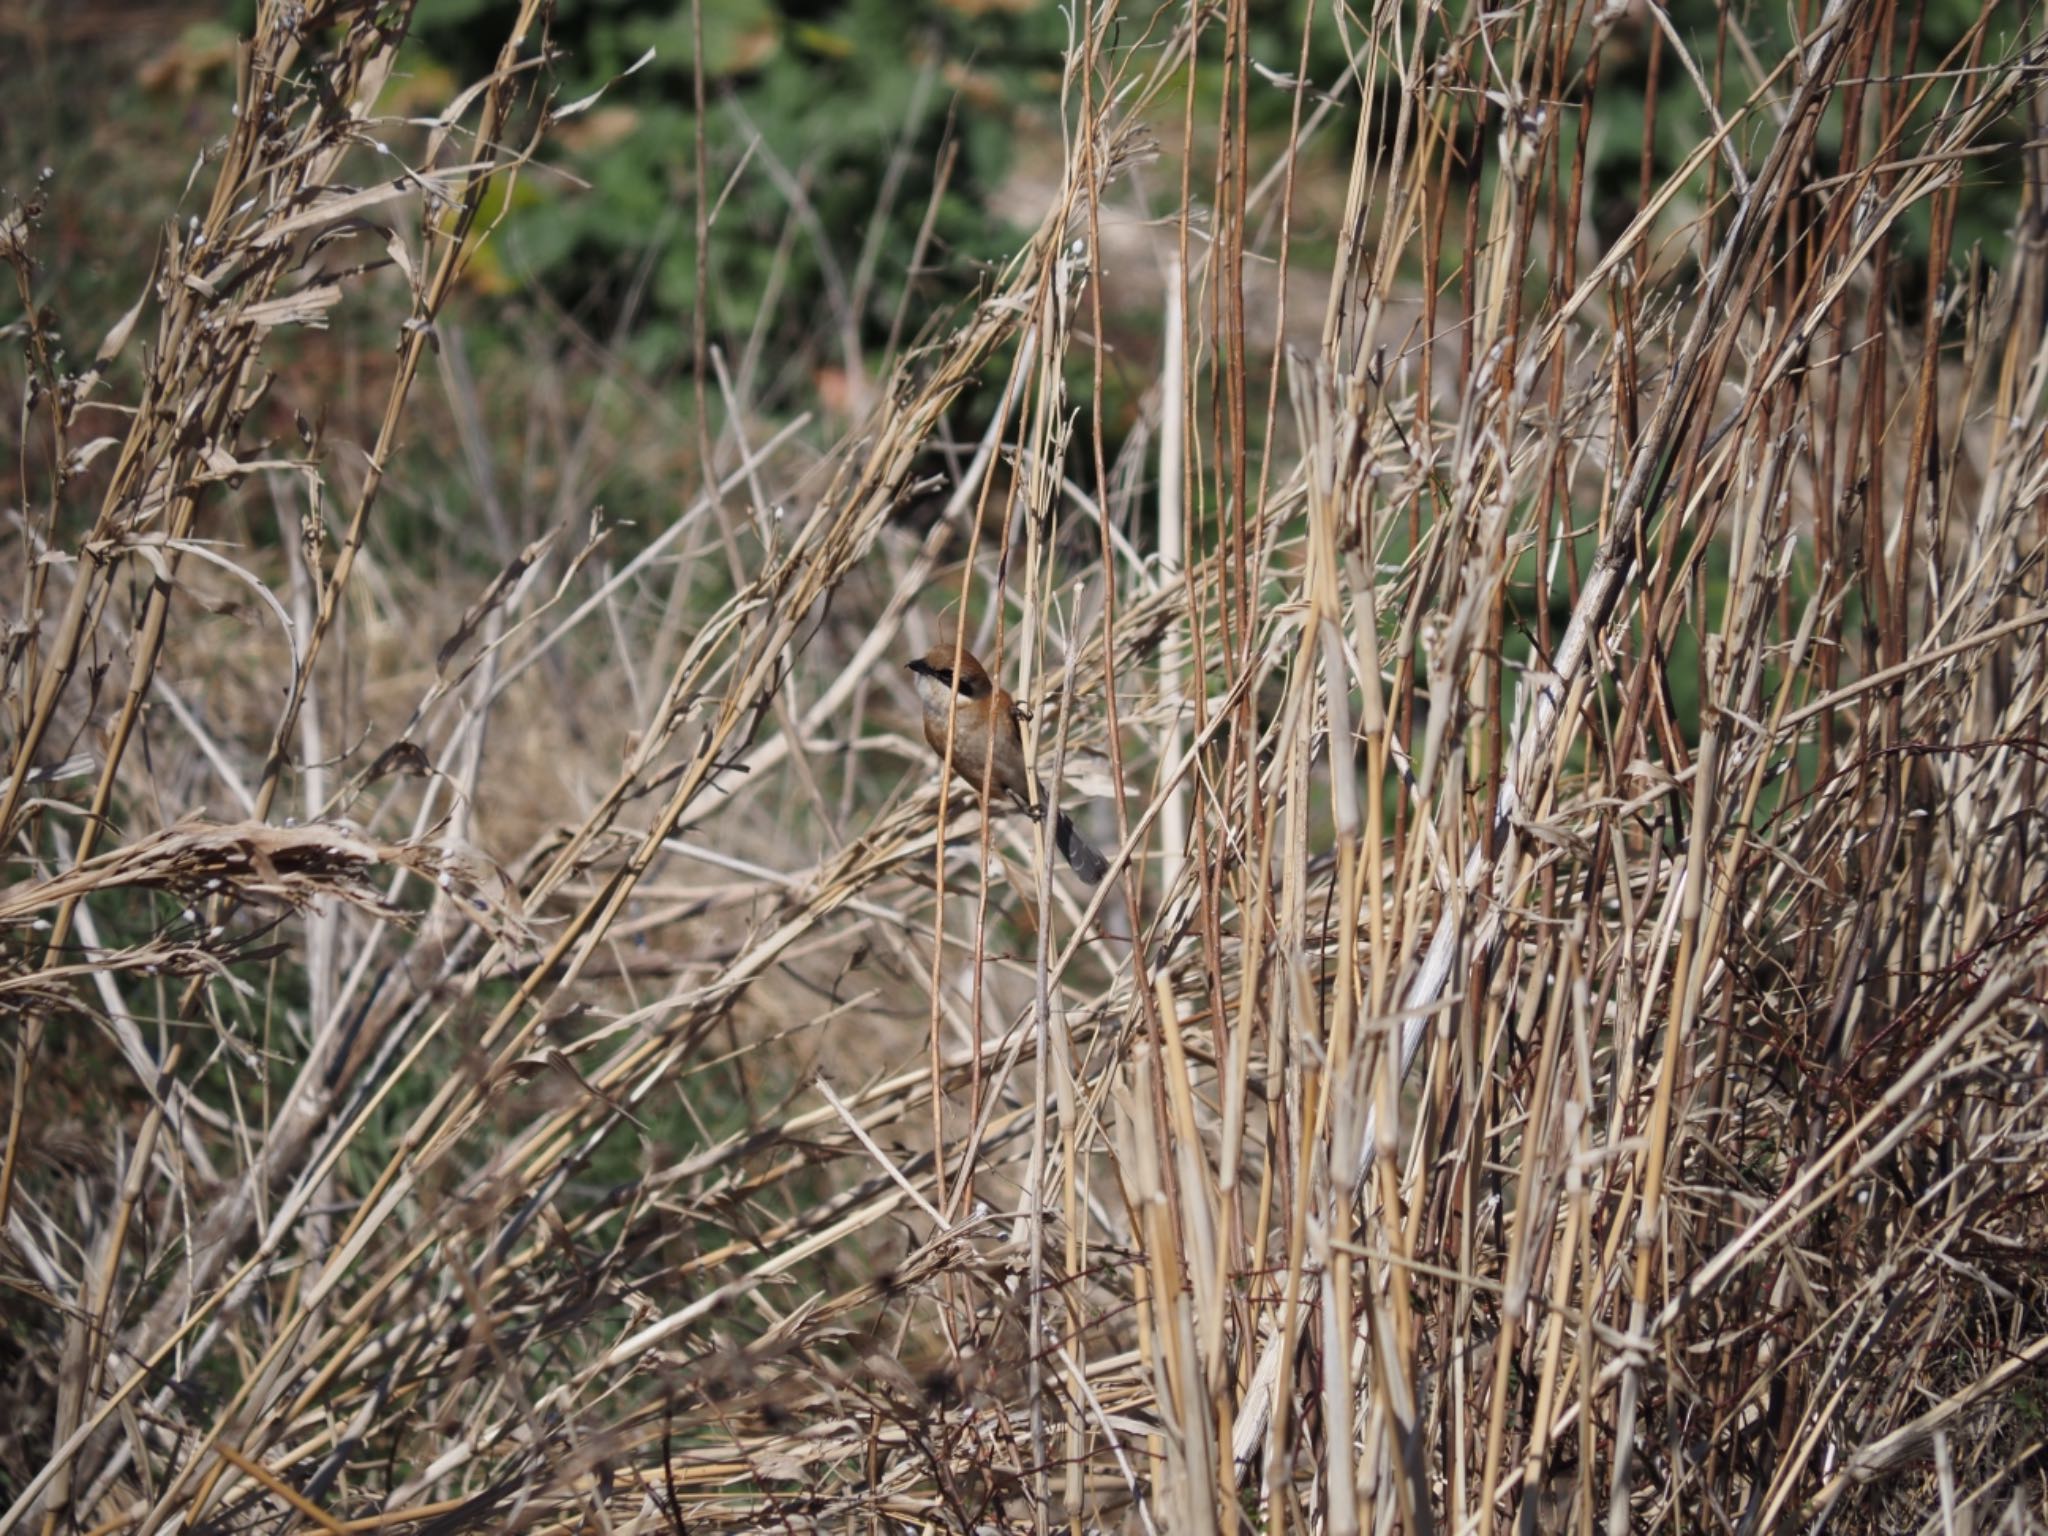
808	105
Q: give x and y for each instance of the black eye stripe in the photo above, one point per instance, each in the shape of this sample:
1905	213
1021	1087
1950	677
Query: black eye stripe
968	687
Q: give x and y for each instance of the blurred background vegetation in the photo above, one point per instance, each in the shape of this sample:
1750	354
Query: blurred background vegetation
873	160
847	141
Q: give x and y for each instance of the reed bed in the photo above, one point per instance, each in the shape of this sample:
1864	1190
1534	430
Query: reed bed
1558	1049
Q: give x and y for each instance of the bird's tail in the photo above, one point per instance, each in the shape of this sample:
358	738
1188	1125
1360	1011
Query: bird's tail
1081	856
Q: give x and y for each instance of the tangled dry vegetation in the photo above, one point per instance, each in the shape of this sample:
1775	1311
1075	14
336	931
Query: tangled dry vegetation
1559	1047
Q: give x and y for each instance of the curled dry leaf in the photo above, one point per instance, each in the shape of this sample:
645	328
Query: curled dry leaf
253	861
285	866
479	886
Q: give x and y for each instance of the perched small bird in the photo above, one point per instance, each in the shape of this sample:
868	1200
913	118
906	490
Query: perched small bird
987	729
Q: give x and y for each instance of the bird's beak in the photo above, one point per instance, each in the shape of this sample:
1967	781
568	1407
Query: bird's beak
920	666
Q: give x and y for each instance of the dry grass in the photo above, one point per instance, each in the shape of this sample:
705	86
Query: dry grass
1569	1072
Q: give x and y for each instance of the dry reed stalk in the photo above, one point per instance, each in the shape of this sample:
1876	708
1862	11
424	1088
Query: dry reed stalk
1560	1068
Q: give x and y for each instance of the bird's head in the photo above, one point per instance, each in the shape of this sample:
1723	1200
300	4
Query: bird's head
937	677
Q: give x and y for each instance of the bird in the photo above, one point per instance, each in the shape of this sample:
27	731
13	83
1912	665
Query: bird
987	725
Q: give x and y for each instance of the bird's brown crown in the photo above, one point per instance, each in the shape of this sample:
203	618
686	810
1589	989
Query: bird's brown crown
971	681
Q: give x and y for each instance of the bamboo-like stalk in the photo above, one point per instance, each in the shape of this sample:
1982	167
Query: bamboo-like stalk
1560	1042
